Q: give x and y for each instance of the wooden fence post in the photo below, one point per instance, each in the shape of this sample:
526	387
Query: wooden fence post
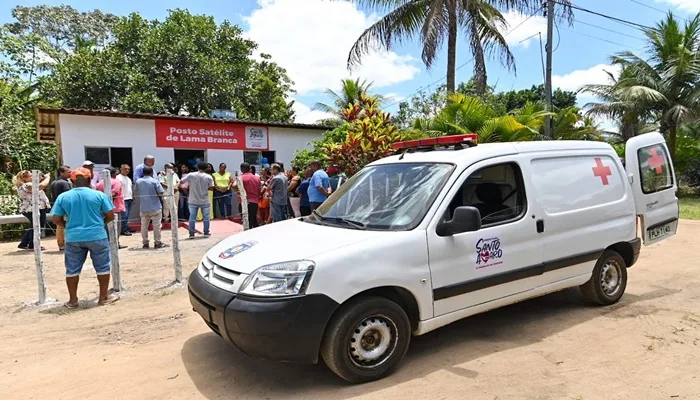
113	236
244	201
177	261
36	224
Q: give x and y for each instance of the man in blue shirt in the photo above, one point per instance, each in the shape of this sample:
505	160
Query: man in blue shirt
83	213
148	161
319	187
150	193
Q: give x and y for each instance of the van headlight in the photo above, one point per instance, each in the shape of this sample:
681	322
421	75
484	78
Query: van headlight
276	280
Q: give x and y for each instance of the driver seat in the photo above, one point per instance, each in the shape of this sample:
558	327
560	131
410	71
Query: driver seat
490	198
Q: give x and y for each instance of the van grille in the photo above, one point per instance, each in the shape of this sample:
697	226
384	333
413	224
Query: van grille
217	275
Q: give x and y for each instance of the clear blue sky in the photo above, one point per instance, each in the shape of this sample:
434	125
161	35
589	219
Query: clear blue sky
311	39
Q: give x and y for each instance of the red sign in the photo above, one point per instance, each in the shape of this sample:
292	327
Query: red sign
601	171
210	135
656	161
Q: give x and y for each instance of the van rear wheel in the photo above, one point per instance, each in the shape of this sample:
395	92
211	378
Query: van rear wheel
609	280
366	339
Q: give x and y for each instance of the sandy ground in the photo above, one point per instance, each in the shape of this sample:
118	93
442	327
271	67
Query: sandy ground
150	345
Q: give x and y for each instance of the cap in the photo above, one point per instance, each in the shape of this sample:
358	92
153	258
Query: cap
80	172
88	162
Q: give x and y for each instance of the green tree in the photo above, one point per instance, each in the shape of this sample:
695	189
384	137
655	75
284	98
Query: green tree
184	64
42	36
631	116
465	114
435	21
516	99
350	93
667	83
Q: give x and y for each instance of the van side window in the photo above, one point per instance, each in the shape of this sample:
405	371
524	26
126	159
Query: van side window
496	191
653	169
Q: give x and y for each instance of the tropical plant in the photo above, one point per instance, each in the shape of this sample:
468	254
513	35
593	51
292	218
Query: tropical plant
435	21
465	114
665	86
618	105
369	135
349	94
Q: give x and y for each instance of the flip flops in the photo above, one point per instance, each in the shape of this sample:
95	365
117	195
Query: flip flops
109	300
71	306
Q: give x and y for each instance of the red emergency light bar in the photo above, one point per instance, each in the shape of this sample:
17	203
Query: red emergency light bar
438	141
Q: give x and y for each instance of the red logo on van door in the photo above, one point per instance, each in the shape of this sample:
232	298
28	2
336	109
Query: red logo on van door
601	171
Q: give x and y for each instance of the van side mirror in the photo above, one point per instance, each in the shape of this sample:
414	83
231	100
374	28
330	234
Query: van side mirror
465	219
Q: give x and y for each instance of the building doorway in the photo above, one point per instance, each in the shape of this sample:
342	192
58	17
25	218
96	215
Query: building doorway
190	157
122	155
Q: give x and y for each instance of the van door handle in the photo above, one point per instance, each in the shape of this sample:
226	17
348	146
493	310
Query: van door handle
540	225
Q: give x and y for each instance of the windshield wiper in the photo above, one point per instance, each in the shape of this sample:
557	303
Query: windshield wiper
354	224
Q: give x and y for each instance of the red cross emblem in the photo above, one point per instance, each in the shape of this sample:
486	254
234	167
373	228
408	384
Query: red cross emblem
601	171
656	161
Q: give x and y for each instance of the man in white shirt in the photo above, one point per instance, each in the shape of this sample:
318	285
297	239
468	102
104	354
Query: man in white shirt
167	200
128	192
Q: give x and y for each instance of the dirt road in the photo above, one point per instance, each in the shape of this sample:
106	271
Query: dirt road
150	345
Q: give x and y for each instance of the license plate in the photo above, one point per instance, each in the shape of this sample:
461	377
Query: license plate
660	231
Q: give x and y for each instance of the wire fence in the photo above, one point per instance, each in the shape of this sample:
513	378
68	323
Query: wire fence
113	229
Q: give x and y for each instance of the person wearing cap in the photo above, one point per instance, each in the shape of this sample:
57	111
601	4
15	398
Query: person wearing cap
148	161
83	213
319	186
94	178
167	200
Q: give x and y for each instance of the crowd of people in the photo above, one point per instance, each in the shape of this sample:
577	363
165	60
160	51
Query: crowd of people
82	211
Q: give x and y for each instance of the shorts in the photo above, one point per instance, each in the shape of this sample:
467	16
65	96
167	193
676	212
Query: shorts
76	254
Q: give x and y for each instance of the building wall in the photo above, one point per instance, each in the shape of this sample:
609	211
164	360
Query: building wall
80	131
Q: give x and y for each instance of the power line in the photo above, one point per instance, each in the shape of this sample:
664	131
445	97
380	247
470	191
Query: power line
610	30
610	17
464	64
595	37
655	9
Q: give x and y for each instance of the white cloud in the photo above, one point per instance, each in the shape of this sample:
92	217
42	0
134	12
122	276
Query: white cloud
593	75
519	32
305	115
685	5
311	40
393	98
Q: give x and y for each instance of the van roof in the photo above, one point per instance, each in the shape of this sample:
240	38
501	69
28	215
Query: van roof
489	150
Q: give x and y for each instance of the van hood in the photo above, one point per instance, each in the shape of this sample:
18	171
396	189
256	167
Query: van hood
283	241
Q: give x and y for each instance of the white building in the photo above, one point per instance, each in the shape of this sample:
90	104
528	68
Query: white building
115	138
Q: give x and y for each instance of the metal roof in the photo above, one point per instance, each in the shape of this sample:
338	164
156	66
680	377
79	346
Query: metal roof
138	115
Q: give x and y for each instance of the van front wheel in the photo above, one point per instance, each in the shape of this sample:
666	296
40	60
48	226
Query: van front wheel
609	280
366	339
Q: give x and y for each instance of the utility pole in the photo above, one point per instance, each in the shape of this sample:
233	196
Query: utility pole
548	72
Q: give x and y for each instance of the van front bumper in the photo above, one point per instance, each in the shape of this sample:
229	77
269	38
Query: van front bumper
281	329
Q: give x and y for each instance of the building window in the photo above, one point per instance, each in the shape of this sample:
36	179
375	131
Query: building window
98	155
252	157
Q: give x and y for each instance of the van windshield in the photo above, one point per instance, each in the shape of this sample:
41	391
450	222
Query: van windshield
385	197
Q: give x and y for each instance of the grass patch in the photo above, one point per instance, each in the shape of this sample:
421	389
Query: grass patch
690	207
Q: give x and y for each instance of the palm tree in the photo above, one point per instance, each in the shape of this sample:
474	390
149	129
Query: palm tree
465	114
436	20
631	116
350	93
667	84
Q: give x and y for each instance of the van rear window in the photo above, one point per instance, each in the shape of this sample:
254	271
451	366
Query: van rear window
653	169
572	183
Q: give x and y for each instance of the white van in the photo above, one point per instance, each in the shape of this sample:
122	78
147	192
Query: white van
441	231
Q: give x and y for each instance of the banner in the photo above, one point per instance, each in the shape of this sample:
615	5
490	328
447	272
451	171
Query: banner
209	135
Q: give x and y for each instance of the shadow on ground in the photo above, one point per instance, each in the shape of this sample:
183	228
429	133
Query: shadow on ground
219	370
